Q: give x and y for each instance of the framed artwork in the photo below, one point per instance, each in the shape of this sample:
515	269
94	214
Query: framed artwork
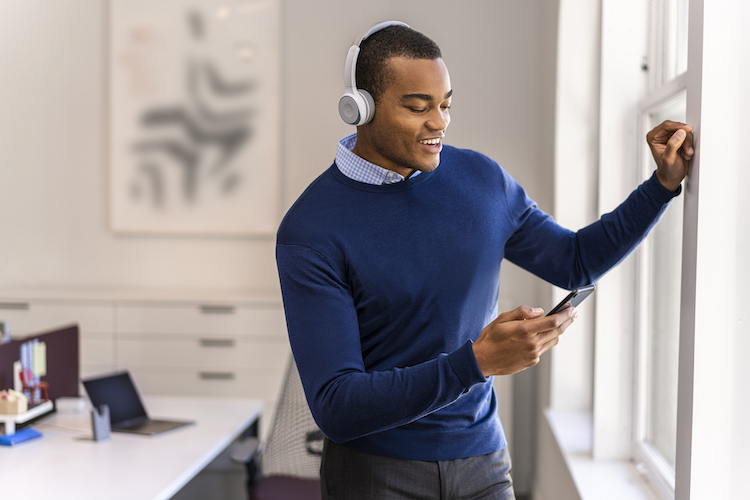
195	116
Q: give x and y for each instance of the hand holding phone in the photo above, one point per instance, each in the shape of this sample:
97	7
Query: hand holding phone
573	299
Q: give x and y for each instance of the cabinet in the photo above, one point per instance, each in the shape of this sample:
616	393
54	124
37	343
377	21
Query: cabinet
225	349
186	344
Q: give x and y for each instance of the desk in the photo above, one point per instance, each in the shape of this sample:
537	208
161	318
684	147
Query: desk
66	463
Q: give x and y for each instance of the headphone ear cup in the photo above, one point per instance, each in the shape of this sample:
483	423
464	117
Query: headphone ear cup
369	113
357	109
349	108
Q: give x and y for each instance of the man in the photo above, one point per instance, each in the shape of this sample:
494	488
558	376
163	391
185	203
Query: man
389	266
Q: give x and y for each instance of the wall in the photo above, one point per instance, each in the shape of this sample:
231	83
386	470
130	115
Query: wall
53	130
54	209
53	124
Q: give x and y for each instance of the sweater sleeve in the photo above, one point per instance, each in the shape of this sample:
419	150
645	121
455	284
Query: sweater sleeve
346	401
571	259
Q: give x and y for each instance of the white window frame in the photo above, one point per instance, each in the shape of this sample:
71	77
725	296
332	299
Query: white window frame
622	147
663	86
651	463
712	435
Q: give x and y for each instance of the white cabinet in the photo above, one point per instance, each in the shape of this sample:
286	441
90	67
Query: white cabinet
203	319
225	349
192	345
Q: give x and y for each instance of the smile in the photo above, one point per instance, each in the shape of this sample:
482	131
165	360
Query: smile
430	142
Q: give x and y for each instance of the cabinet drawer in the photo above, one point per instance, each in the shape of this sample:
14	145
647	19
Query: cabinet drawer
189	382
27	317
206	320
211	353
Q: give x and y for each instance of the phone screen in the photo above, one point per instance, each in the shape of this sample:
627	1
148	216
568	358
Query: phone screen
573	299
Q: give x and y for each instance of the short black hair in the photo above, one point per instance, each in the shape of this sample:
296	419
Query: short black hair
373	72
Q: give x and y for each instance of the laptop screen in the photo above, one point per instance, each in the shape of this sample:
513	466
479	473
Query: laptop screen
119	393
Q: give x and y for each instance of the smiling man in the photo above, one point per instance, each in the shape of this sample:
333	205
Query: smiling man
389	265
408	134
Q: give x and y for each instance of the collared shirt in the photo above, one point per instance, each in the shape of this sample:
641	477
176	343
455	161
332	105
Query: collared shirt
361	170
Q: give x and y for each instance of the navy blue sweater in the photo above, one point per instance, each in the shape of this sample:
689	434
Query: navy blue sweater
386	287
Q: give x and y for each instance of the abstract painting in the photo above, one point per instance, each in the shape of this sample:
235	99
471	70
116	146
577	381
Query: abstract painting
194	116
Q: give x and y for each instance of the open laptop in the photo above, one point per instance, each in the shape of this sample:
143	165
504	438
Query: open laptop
126	410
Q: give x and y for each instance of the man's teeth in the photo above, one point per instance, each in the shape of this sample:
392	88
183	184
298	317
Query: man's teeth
431	142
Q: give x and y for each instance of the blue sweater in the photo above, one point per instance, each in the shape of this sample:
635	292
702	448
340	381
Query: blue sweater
386	287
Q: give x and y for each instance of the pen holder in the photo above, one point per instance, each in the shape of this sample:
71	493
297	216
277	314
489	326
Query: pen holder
100	422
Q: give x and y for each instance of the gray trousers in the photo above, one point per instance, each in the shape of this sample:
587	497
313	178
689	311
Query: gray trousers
353	475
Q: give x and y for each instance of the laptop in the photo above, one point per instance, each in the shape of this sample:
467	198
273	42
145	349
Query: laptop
126	410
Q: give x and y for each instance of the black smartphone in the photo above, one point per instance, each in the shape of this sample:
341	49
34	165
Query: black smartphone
573	299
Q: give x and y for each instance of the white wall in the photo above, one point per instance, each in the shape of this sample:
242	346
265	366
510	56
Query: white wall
53	212
53	129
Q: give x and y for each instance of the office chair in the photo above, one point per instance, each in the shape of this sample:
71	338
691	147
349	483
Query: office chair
287	466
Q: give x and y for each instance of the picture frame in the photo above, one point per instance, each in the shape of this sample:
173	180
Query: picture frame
194	117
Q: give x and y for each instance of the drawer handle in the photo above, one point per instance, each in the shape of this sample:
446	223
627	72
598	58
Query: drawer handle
216	309
216	375
18	306
217	342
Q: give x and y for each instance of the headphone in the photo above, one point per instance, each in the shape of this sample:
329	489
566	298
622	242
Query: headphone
357	107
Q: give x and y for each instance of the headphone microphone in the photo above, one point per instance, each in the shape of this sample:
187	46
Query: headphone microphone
357	107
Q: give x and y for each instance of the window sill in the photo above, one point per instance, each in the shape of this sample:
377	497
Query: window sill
594	479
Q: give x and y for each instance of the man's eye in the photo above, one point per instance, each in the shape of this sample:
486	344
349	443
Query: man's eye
417	110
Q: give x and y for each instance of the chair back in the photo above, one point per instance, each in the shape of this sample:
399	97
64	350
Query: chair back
295	443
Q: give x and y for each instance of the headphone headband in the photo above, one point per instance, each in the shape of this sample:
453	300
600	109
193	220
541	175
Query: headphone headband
357	107
379	27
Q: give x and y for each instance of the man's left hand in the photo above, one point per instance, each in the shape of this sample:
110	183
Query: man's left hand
671	145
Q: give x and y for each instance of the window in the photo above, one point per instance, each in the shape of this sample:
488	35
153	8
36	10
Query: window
660	260
709	458
667	41
660	269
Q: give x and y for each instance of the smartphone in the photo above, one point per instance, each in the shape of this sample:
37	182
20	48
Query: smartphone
573	299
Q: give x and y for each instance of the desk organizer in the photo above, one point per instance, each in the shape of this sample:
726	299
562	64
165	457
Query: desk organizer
10	421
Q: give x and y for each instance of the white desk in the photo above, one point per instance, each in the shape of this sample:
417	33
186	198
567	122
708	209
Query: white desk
65	463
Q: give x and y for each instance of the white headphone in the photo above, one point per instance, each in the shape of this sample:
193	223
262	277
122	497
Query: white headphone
357	107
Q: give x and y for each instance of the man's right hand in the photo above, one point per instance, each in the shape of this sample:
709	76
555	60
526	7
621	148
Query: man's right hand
671	146
517	338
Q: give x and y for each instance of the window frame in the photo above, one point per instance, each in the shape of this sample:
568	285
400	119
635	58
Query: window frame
663	86
650	461
713	373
